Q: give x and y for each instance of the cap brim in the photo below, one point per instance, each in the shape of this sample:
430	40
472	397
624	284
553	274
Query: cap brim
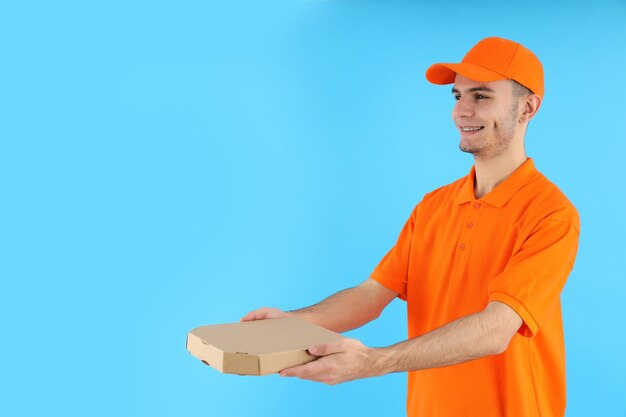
446	73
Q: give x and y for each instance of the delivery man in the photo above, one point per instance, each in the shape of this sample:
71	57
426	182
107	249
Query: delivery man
481	263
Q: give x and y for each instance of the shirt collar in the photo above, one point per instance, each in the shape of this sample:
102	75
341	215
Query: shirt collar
503	191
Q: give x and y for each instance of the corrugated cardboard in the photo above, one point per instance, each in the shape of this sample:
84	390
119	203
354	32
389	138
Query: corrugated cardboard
257	347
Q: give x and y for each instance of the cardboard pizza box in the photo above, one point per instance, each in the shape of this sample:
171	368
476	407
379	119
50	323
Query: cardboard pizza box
257	347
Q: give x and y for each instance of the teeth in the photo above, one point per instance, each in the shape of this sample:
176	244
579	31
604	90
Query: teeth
470	129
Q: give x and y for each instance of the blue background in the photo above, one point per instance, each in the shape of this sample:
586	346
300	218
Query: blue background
165	165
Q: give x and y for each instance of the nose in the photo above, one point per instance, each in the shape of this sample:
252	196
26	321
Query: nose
462	108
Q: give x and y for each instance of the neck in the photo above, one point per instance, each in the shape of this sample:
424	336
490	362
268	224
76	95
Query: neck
491	172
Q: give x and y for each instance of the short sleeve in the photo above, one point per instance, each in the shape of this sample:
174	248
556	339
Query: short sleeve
392	270
531	283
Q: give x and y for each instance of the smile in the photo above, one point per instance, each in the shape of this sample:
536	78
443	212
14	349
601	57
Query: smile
471	128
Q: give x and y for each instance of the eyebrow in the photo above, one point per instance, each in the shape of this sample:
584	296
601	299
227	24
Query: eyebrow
472	90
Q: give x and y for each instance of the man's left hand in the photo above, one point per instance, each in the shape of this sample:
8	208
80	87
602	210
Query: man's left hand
340	361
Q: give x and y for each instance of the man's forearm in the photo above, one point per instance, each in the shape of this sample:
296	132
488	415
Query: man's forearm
348	309
340	312
470	337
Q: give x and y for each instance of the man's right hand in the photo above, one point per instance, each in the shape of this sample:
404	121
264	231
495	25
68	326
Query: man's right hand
265	313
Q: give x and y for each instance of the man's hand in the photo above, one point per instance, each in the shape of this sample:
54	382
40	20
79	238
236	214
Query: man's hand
265	313
340	361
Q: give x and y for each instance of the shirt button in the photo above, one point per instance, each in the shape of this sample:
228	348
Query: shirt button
462	246
476	205
469	225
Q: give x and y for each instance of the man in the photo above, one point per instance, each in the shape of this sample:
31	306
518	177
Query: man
481	263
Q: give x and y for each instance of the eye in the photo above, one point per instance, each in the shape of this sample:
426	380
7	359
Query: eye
457	97
480	97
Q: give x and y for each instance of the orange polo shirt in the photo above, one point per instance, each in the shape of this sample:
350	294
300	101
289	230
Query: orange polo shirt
455	254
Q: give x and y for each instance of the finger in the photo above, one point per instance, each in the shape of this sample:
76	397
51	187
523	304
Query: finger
306	371
329	348
248	317
258	314
253	315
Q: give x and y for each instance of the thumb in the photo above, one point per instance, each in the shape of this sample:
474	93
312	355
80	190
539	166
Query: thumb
328	348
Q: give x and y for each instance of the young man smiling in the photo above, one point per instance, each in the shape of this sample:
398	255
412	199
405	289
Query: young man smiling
481	263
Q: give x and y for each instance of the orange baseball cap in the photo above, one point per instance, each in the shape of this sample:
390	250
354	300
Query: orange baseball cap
494	59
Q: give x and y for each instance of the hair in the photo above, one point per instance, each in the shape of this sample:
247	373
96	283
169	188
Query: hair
519	90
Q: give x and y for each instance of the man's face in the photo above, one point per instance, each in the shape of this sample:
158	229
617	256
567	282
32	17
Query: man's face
486	115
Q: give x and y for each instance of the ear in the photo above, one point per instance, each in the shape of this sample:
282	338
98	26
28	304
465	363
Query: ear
530	106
